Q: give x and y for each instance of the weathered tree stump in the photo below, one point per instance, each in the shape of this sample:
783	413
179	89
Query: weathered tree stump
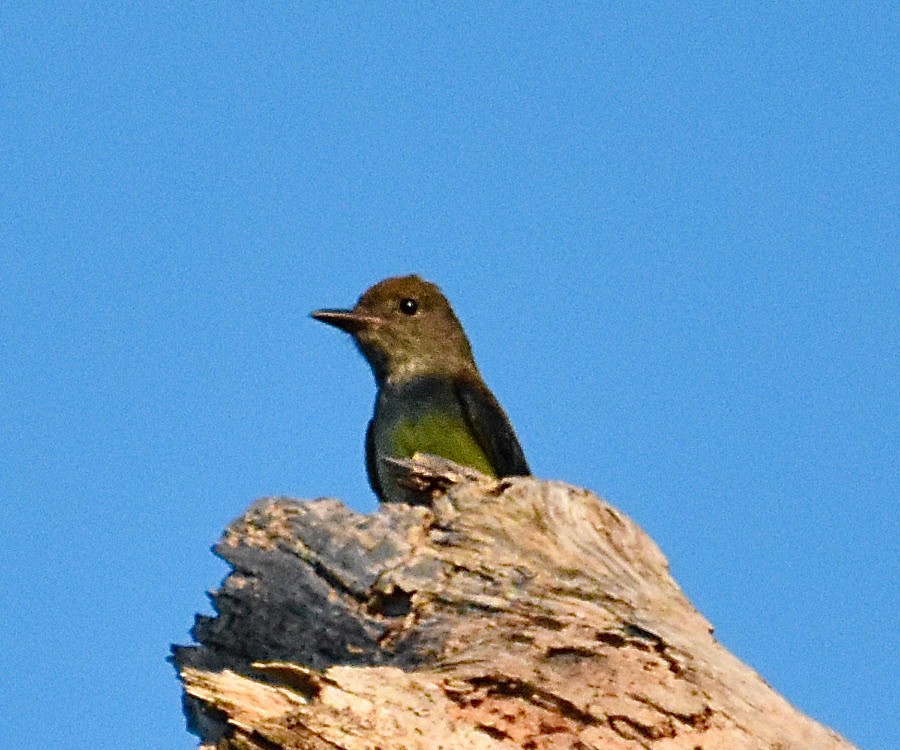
493	614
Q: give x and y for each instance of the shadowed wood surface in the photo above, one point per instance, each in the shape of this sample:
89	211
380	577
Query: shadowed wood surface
490	614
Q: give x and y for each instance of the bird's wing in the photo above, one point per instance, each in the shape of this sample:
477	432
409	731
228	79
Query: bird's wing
492	429
372	461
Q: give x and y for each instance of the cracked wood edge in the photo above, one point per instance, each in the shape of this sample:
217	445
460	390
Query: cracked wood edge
511	613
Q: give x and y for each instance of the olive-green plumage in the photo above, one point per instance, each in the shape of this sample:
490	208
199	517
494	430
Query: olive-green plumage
431	398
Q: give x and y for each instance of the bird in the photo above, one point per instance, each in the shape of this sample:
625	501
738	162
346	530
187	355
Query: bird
431	397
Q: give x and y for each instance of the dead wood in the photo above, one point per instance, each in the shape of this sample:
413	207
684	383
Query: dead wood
492	614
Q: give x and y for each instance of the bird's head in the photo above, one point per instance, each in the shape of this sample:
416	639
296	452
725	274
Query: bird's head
405	327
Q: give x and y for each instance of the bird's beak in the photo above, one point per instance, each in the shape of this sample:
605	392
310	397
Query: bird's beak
346	320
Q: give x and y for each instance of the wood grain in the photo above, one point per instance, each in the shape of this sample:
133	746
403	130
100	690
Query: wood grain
485	614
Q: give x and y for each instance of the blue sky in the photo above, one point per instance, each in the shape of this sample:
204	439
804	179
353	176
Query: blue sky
670	231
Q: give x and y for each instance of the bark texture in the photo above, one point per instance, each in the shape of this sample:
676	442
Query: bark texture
490	614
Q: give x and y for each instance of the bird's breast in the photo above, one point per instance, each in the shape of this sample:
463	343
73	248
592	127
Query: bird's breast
426	417
441	434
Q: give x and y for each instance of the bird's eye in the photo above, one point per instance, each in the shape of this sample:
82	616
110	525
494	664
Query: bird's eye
408	306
